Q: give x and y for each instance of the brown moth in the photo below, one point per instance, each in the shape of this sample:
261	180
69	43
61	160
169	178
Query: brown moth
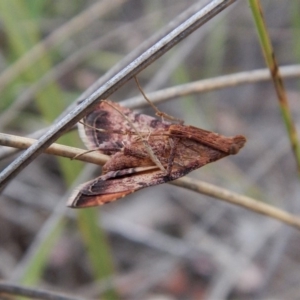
179	148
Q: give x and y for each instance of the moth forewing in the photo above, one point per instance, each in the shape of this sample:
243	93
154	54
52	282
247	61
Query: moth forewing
113	125
230	145
110	187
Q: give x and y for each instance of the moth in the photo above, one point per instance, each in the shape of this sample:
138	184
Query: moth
178	148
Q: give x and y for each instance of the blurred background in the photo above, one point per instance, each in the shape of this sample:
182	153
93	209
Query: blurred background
162	242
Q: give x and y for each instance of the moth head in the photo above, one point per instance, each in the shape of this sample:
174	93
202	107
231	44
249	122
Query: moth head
238	143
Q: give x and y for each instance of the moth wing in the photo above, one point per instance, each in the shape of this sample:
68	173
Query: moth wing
83	200
113	136
115	185
229	145
118	184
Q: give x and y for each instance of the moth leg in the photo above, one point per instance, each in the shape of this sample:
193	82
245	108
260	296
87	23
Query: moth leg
158	112
149	134
142	155
163	115
136	152
173	144
121	132
97	149
145	142
84	152
146	135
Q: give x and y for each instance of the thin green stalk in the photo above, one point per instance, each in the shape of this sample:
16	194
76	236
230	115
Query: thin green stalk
269	55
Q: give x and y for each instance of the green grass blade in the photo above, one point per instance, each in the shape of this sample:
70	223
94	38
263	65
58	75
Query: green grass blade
16	15
270	59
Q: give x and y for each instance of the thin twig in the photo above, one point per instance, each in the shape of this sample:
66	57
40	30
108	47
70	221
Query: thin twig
237	199
211	84
55	149
213	191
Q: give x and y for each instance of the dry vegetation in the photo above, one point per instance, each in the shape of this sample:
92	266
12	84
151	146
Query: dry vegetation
164	242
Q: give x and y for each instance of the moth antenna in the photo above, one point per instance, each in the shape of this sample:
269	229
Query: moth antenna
92	127
145	142
158	112
105	130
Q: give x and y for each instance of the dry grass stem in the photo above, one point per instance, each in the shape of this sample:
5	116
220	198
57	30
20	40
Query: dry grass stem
188	183
55	149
